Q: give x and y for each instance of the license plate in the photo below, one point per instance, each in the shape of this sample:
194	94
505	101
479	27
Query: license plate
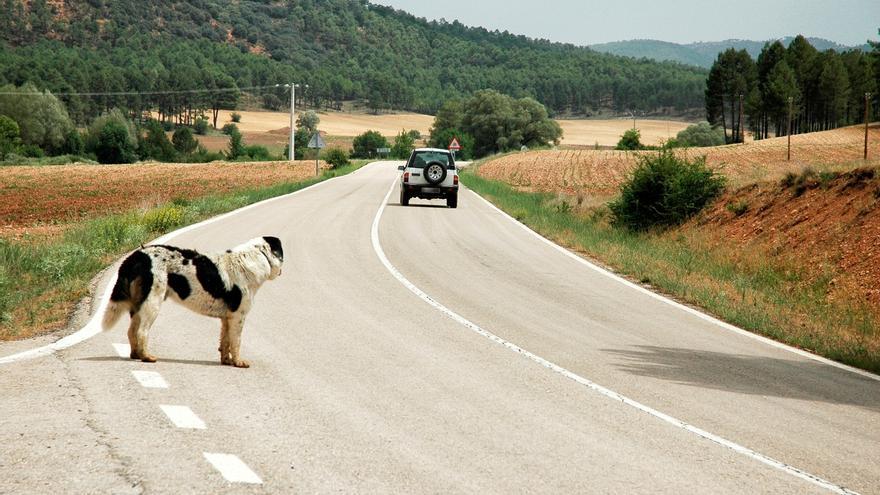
430	190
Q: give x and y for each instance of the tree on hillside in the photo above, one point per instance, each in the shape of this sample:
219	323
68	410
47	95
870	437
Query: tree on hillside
781	85
833	91
733	76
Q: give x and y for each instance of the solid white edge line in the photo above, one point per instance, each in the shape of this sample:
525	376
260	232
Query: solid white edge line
695	312
232	468
791	470
149	379
183	417
93	327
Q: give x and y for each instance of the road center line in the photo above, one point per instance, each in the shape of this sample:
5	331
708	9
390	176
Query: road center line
791	470
183	417
149	379
232	468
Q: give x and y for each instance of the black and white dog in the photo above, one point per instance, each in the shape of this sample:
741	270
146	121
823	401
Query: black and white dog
221	285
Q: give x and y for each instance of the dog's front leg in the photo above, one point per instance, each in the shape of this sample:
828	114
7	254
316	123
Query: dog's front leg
225	356
235	325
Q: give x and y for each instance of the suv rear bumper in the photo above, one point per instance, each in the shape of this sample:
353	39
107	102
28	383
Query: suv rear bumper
427	191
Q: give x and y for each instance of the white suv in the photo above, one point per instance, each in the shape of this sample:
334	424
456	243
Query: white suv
429	173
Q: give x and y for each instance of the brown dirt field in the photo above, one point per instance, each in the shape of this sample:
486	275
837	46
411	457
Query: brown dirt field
42	201
601	172
608	132
332	123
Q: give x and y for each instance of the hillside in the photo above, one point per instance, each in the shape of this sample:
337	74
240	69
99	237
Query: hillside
343	49
701	54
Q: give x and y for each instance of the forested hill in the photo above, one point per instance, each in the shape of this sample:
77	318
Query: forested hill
702	54
343	49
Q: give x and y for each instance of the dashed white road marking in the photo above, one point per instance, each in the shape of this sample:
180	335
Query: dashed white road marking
124	350
791	470
149	379
183	417
232	468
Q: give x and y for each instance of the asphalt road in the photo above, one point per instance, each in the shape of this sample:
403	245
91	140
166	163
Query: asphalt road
549	377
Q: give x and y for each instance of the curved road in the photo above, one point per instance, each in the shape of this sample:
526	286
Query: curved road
358	384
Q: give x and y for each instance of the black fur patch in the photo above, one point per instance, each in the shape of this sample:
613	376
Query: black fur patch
137	268
209	277
275	245
180	285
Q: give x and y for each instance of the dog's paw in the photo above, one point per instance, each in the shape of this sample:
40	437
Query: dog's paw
148	358
241	363
226	361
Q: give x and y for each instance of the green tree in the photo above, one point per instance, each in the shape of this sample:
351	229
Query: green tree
236	145
183	141
701	134
308	120
42	118
10	138
155	144
115	116
114	144
403	145
500	123
833	91
336	157
366	144
631	140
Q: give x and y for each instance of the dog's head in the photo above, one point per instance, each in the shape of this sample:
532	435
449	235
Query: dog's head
271	248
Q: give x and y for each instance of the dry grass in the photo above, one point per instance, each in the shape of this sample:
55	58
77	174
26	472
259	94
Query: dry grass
608	132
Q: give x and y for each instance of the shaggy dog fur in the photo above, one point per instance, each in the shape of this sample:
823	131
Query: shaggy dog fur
221	285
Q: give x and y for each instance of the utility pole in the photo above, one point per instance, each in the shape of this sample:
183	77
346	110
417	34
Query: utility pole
867	103
790	101
293	116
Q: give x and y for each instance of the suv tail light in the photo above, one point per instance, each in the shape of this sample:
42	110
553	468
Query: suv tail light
406	176
455	180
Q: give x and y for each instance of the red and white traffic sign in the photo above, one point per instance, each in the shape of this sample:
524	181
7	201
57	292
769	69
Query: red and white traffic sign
454	146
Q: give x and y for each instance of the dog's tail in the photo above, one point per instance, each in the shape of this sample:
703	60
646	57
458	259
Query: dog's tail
131	289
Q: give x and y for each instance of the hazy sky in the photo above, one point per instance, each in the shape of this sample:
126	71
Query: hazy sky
586	22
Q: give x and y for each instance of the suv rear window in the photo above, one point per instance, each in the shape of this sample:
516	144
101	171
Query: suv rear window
422	158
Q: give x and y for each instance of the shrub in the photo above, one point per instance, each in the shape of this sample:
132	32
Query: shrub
164	219
32	151
309	121
665	190
738	207
336	157
114	144
701	134
228	129
631	140
236	145
403	145
200	126
10	138
235	116
155	143
257	153
73	143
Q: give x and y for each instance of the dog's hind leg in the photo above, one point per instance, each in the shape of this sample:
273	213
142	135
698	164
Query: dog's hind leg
235	326
225	357
132	335
145	317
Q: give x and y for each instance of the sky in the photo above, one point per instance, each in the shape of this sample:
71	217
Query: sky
586	22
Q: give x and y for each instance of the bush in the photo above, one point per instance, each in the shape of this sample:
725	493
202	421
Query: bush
163	219
183	141
365	145
155	144
73	143
200	126
631	140
257	153
665	190
403	145
235	116
336	157
236	146
701	134
10	139
228	129
32	151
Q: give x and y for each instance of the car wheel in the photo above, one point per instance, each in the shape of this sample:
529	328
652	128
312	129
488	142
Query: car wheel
404	197
452	200
435	173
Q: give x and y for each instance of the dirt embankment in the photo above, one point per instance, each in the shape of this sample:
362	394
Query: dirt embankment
827	224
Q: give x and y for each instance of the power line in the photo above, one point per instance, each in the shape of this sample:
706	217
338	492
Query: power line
144	93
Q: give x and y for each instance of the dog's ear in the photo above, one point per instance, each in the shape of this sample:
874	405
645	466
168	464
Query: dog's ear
275	245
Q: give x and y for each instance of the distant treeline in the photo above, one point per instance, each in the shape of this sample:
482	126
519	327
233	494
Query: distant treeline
343	49
823	90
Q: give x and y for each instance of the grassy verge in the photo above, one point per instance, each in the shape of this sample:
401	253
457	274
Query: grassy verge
40	282
771	297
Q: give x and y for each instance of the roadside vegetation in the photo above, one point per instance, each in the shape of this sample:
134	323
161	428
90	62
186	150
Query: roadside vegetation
776	296
41	280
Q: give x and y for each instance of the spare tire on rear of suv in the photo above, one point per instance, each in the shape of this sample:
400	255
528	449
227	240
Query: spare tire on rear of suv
435	173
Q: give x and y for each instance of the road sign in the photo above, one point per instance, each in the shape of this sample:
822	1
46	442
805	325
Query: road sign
383	151
316	141
454	146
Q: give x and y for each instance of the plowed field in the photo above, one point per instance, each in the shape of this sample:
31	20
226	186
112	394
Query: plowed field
43	200
601	172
